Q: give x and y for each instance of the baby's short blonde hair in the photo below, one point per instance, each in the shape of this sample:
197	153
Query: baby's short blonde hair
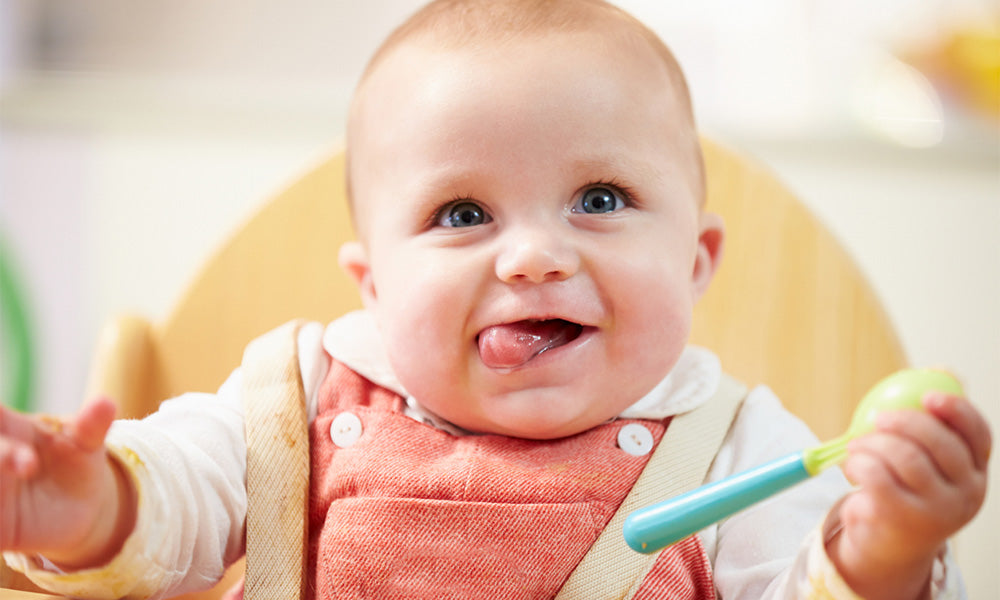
472	24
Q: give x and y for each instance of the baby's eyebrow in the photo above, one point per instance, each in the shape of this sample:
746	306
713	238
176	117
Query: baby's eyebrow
446	177
617	165
460	177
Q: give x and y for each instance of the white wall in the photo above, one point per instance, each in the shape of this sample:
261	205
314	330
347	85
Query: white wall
138	134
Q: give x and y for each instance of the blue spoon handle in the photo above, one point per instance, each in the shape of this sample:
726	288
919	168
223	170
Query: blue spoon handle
649	529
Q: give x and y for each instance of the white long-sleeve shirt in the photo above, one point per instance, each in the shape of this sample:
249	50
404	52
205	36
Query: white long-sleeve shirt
188	461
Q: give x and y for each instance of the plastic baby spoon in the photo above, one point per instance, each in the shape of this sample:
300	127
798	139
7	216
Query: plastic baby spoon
648	529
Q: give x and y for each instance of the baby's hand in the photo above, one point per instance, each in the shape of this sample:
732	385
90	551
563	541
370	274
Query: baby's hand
60	493
921	478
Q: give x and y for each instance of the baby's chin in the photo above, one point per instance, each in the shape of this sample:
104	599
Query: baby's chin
531	425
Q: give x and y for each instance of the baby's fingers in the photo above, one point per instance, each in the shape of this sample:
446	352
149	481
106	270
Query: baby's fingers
92	423
17	434
962	417
17	458
951	456
14	425
901	461
23	437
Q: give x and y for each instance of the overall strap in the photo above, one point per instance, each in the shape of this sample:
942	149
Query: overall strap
680	463
277	438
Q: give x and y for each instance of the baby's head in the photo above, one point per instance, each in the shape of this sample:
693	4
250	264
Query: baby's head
527	184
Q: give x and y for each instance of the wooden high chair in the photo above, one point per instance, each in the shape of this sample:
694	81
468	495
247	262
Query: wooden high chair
788	307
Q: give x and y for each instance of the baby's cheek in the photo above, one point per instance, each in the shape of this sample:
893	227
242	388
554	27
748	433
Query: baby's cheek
657	324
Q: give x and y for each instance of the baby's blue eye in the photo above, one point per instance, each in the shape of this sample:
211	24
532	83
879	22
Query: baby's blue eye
597	200
463	214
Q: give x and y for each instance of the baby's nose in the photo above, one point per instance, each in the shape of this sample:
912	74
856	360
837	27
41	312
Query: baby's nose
536	256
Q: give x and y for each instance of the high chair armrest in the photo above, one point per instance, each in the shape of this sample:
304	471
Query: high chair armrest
125	367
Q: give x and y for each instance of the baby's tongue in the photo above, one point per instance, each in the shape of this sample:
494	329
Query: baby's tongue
514	344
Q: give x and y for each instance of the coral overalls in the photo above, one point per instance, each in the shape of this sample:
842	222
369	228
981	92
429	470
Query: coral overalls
399	508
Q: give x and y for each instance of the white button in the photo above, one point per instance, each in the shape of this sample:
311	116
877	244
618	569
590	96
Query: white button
345	429
635	439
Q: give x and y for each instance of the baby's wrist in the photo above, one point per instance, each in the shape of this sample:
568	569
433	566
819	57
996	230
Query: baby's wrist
877	576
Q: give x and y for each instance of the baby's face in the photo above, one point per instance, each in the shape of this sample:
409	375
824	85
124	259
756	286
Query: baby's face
532	239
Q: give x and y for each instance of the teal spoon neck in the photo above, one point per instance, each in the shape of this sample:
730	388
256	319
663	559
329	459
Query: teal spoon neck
820	458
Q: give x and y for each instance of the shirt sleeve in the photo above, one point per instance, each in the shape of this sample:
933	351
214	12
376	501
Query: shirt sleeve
813	574
188	463
776	550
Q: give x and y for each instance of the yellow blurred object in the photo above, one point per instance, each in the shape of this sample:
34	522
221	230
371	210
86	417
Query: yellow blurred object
788	307
965	64
974	57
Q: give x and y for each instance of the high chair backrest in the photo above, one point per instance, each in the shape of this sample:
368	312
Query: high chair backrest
788	307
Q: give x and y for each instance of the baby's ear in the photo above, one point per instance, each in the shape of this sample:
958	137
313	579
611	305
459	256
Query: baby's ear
711	238
353	258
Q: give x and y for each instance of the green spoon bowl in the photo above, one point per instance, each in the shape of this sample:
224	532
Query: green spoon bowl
899	391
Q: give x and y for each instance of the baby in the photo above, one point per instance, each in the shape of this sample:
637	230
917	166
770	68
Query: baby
527	189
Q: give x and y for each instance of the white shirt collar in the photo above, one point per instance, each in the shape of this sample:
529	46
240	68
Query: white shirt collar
354	340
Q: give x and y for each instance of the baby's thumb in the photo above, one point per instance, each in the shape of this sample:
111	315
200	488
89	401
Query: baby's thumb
92	423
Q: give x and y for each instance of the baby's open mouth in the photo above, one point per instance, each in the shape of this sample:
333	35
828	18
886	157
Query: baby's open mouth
514	344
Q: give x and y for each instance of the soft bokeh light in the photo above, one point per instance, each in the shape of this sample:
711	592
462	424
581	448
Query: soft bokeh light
897	102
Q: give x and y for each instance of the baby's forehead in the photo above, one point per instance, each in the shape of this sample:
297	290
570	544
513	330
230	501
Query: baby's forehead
425	54
465	26
487	29
427	76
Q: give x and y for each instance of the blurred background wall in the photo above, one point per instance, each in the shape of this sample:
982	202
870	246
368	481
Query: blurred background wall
135	134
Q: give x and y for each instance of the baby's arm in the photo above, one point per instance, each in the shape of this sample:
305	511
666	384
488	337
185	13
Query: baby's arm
61	494
186	464
921	478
